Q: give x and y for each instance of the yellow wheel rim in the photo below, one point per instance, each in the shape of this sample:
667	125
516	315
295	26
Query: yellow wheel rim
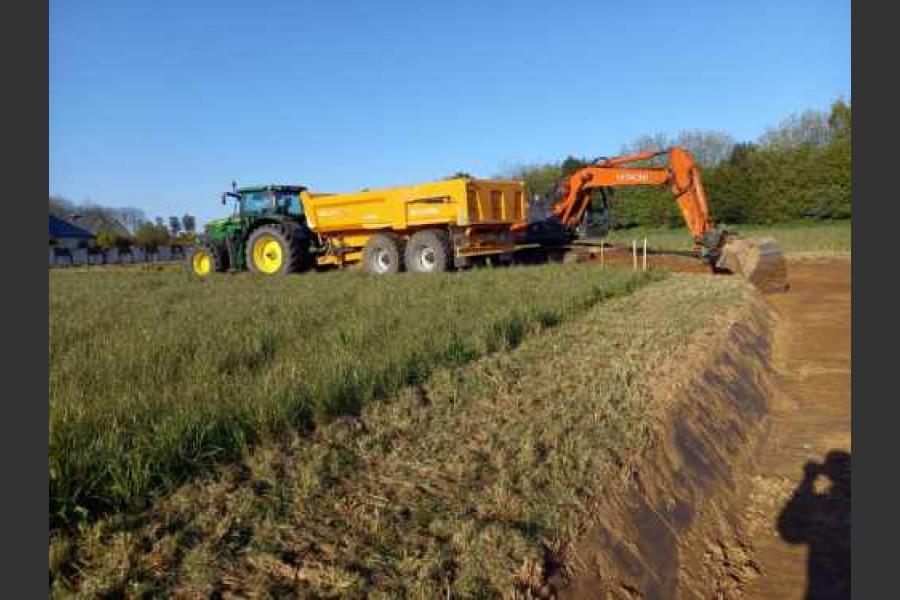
202	263
267	255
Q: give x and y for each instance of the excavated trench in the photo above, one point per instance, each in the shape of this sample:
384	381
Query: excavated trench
703	513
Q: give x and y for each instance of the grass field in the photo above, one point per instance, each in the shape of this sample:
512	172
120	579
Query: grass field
155	377
465	485
802	237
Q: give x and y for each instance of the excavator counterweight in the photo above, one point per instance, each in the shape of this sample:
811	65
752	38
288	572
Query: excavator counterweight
760	261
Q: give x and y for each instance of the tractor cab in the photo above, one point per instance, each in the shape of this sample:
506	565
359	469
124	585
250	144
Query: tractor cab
269	200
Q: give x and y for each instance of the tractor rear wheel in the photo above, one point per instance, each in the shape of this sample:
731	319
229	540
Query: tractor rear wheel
203	260
428	251
270	251
382	254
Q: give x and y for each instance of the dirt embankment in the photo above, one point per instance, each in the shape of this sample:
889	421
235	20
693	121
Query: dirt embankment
653	532
746	492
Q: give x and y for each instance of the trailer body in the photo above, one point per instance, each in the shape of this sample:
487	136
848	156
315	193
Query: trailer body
477	214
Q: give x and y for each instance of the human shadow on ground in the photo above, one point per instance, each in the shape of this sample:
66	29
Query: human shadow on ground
818	515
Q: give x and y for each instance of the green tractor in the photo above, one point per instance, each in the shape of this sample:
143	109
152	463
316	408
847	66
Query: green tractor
267	234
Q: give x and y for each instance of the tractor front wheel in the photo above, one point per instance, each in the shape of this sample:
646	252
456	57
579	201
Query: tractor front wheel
203	260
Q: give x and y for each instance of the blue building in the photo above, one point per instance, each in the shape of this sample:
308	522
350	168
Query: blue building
65	235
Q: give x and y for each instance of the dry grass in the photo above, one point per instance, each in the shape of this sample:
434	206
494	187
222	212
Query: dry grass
471	484
155	377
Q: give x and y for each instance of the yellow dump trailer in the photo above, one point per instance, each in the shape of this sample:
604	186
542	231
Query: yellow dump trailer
420	228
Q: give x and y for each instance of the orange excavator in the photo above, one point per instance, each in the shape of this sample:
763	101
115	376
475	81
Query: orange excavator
758	260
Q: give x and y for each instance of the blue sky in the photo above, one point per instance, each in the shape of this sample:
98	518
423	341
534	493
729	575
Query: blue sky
160	104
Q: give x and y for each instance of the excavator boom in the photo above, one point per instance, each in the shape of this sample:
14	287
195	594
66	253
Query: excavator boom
760	261
682	176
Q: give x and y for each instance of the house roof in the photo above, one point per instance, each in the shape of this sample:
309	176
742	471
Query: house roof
64	229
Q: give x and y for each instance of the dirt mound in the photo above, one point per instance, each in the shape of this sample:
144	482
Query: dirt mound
759	261
667	532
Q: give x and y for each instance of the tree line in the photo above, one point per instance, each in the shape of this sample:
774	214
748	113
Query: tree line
798	169
138	229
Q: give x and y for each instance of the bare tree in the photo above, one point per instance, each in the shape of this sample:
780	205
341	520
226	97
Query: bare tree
189	223
709	148
61	207
460	175
809	127
648	143
132	218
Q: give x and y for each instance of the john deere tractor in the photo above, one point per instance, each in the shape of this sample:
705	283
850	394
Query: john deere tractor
267	234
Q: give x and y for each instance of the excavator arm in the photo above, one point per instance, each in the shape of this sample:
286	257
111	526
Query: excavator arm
759	261
682	176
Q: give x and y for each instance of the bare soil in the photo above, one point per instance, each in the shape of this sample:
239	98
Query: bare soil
622	256
797	503
785	530
747	493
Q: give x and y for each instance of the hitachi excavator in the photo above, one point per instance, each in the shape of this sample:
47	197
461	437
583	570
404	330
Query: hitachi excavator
758	260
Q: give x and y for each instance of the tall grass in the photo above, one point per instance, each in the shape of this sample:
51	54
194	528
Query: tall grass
155	377
798	237
471	485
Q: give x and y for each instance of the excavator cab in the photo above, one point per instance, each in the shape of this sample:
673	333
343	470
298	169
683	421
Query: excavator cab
597	220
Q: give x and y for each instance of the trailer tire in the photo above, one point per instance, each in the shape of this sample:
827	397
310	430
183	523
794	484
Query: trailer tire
271	251
429	251
382	254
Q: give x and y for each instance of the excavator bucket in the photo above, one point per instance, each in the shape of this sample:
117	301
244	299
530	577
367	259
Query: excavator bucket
759	260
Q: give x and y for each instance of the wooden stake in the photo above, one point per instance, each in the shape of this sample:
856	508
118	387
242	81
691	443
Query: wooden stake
602	244
634	254
644	265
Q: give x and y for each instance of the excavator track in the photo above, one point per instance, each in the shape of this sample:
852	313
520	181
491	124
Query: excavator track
758	260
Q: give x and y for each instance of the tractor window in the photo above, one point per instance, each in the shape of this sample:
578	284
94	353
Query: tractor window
256	202
289	203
